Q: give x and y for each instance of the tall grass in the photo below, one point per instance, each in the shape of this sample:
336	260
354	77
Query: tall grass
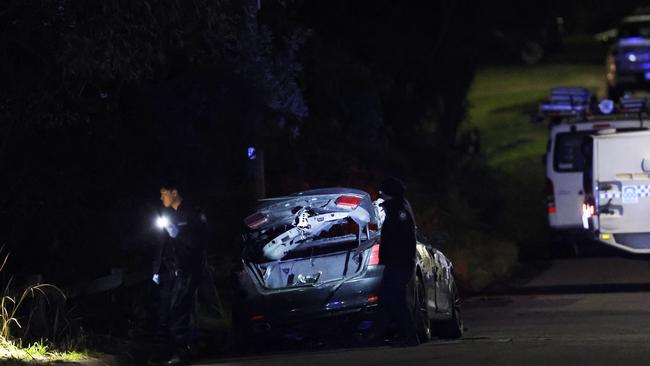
13	332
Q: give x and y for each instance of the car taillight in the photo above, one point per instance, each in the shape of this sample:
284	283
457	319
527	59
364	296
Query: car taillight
374	256
550	199
255	220
348	201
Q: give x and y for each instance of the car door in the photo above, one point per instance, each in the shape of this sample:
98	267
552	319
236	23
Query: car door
427	265
443	276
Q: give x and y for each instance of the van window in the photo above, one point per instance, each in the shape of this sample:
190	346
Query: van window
568	155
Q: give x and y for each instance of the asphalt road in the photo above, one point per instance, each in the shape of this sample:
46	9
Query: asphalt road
593	311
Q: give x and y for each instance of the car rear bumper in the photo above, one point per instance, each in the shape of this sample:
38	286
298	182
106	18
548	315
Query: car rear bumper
351	305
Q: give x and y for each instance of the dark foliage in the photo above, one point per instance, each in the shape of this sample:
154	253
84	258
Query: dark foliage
101	100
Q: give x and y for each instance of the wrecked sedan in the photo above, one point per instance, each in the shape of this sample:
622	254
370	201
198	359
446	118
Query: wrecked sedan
311	267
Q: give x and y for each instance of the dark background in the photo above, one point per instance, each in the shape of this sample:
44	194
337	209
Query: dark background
101	101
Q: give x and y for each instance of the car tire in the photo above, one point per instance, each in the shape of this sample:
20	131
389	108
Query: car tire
452	328
421	312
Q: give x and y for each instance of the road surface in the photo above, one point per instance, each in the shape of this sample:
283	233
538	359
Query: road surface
593	311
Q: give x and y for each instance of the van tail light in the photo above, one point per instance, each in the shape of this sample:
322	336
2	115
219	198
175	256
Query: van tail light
374	256
550	199
348	201
588	211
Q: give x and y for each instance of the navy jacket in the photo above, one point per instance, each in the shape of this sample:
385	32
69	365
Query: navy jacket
185	252
398	235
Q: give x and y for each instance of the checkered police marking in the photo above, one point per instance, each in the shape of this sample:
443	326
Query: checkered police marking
605	196
643	191
630	194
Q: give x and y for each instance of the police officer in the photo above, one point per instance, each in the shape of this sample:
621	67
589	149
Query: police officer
397	253
178	266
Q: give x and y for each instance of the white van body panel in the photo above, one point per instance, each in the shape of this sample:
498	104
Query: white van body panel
622	190
567	185
567	181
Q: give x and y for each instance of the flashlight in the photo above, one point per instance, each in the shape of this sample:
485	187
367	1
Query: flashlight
162	222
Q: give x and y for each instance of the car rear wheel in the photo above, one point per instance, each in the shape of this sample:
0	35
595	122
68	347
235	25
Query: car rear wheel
420	312
453	327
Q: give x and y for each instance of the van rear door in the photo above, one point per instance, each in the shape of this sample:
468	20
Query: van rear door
621	179
566	165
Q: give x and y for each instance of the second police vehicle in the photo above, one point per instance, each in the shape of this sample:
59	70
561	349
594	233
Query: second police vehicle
572	119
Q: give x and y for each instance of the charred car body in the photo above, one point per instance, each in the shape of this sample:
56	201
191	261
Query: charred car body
311	266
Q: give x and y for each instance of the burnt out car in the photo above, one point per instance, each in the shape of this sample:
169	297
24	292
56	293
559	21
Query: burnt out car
310	267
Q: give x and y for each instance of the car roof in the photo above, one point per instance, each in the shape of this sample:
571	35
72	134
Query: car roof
333	190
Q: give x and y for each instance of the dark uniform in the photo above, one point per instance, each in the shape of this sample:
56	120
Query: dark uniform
397	253
180	262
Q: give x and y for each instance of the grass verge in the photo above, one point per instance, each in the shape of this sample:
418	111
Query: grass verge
36	354
502	101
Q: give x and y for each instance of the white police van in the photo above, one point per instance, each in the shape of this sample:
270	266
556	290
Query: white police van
572	119
617	185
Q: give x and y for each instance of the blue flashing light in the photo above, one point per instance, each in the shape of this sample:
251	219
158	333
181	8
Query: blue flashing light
333	305
632	40
633	105
252	153
562	107
606	106
647	75
631	57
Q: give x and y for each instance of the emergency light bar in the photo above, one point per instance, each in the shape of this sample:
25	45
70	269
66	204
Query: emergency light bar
633	105
561	108
569	101
571	95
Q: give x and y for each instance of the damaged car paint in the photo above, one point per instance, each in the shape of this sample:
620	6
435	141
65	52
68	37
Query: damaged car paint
310	262
306	218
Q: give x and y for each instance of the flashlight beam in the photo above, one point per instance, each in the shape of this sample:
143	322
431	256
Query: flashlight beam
162	222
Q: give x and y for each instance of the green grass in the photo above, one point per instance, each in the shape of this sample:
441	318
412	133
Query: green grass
502	101
12	350
36	353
